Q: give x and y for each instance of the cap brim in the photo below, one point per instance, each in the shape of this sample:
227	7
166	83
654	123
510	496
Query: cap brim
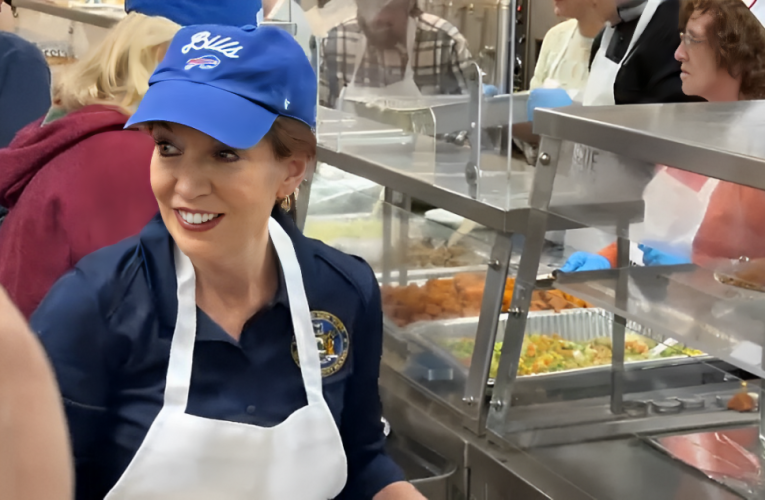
229	118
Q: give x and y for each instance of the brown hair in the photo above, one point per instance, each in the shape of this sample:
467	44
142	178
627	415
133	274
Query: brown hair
289	136
738	39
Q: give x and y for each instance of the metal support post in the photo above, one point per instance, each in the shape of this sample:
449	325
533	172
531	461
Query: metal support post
515	329
618	328
475	88
505	48
405	204
491	307
387	235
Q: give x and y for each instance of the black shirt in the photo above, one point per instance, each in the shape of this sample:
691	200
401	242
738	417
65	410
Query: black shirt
650	73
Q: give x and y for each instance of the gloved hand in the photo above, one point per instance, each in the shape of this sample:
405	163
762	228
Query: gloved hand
546	98
490	90
585	261
653	257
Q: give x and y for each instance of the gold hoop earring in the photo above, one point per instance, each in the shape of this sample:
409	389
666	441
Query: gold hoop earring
286	204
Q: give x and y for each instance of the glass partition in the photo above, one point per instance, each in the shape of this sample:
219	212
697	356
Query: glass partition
432	279
696	241
655	358
405	91
578	374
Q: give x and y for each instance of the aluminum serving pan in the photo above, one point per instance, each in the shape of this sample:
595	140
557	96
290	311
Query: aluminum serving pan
577	325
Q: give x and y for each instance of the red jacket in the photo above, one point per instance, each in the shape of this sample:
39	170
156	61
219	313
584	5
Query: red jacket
73	186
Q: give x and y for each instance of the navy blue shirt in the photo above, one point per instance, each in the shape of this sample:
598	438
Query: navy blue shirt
107	327
24	85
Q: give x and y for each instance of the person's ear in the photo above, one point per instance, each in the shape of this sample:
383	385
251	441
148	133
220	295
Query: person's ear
297	165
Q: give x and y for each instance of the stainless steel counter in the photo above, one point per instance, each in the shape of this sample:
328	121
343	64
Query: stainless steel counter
628	469
619	469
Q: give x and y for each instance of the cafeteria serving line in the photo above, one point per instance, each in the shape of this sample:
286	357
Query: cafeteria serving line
450	356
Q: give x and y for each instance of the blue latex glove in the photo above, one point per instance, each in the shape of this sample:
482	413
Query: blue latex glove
585	261
546	98
653	257
490	90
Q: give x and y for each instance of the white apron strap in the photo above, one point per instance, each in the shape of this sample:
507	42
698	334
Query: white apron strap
182	345
308	352
562	53
645	18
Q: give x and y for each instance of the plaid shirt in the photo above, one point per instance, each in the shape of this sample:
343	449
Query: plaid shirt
440	60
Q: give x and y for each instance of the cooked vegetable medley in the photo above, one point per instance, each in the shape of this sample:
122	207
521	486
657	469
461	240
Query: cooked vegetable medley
546	354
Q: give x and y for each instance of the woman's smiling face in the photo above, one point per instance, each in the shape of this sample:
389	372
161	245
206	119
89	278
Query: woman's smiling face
215	200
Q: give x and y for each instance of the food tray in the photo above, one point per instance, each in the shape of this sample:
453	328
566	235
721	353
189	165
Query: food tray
731	457
576	325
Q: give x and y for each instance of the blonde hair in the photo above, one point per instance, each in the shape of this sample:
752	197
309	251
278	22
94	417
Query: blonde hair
117	72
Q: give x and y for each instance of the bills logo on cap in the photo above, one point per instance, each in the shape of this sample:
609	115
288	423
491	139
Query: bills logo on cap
204	62
202	41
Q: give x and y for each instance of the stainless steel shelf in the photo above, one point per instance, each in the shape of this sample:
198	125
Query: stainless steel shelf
447	113
429	170
84	16
712	139
685	303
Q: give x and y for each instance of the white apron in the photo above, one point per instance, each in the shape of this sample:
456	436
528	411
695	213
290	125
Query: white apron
600	85
674	212
405	88
185	457
599	91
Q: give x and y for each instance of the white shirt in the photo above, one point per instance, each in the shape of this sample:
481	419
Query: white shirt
564	58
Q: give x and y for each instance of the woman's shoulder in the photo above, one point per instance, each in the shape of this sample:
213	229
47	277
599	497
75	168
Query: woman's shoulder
97	284
342	267
561	30
104	283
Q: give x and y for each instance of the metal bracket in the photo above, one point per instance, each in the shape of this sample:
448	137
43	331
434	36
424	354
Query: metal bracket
287	26
525	282
387	210
491	307
618	328
475	89
471	176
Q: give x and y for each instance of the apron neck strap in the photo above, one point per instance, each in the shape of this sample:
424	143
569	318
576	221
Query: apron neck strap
182	346
308	351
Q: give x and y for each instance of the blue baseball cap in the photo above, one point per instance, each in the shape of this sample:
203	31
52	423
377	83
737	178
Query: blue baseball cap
231	83
188	12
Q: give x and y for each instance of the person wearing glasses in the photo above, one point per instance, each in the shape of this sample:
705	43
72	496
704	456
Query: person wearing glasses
632	59
722	58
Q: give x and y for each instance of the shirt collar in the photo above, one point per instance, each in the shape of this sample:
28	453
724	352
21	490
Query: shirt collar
156	247
631	10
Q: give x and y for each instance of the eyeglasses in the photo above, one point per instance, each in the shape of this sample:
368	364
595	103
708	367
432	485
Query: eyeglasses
689	41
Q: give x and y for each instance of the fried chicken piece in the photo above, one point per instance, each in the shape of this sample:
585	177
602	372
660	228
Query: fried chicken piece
741	402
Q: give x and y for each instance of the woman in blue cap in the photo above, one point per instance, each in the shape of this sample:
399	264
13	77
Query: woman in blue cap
220	354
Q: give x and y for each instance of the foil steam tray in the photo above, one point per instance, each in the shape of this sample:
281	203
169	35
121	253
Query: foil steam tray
576	325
